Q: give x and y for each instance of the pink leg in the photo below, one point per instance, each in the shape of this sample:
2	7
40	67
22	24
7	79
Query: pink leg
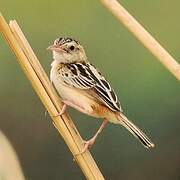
91	141
62	110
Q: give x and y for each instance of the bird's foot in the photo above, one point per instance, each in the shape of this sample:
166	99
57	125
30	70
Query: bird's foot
87	145
62	110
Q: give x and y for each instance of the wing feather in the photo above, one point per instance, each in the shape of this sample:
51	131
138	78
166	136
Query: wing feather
86	76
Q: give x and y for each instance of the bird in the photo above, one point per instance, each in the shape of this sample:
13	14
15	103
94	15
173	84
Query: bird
82	87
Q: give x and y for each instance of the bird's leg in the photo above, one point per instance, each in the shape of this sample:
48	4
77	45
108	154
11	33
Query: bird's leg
62	110
91	141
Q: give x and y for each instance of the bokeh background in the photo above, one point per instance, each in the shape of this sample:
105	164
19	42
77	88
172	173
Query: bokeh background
149	94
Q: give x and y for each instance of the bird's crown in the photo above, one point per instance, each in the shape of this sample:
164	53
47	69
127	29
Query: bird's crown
64	40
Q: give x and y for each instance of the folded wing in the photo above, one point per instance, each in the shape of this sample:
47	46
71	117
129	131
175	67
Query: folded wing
86	77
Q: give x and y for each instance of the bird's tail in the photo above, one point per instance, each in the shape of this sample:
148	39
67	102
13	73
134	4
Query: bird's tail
136	131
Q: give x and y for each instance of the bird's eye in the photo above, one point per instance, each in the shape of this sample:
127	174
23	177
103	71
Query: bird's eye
71	48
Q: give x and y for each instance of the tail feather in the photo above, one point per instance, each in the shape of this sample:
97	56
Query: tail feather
136	132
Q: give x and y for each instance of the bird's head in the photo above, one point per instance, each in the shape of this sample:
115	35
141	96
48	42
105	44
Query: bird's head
67	50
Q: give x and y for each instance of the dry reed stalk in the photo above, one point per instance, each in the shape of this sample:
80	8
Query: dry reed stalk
40	82
143	36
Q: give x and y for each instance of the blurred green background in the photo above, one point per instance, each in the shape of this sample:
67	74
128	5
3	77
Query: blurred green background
149	94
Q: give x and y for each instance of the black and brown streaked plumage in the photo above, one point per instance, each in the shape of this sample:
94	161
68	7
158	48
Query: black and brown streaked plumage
82	87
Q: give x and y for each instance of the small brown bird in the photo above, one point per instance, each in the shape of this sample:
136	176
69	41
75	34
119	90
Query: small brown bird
83	87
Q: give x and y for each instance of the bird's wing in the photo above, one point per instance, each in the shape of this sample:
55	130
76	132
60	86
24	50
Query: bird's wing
87	77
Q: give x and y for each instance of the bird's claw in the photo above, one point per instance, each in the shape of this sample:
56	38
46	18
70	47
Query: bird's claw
87	145
59	114
62	111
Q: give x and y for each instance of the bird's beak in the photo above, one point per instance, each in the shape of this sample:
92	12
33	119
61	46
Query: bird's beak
56	48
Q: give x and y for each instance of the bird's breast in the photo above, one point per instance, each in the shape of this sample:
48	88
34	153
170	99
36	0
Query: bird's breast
72	94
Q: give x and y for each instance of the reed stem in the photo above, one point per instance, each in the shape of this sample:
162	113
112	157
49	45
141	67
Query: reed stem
143	36
41	84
